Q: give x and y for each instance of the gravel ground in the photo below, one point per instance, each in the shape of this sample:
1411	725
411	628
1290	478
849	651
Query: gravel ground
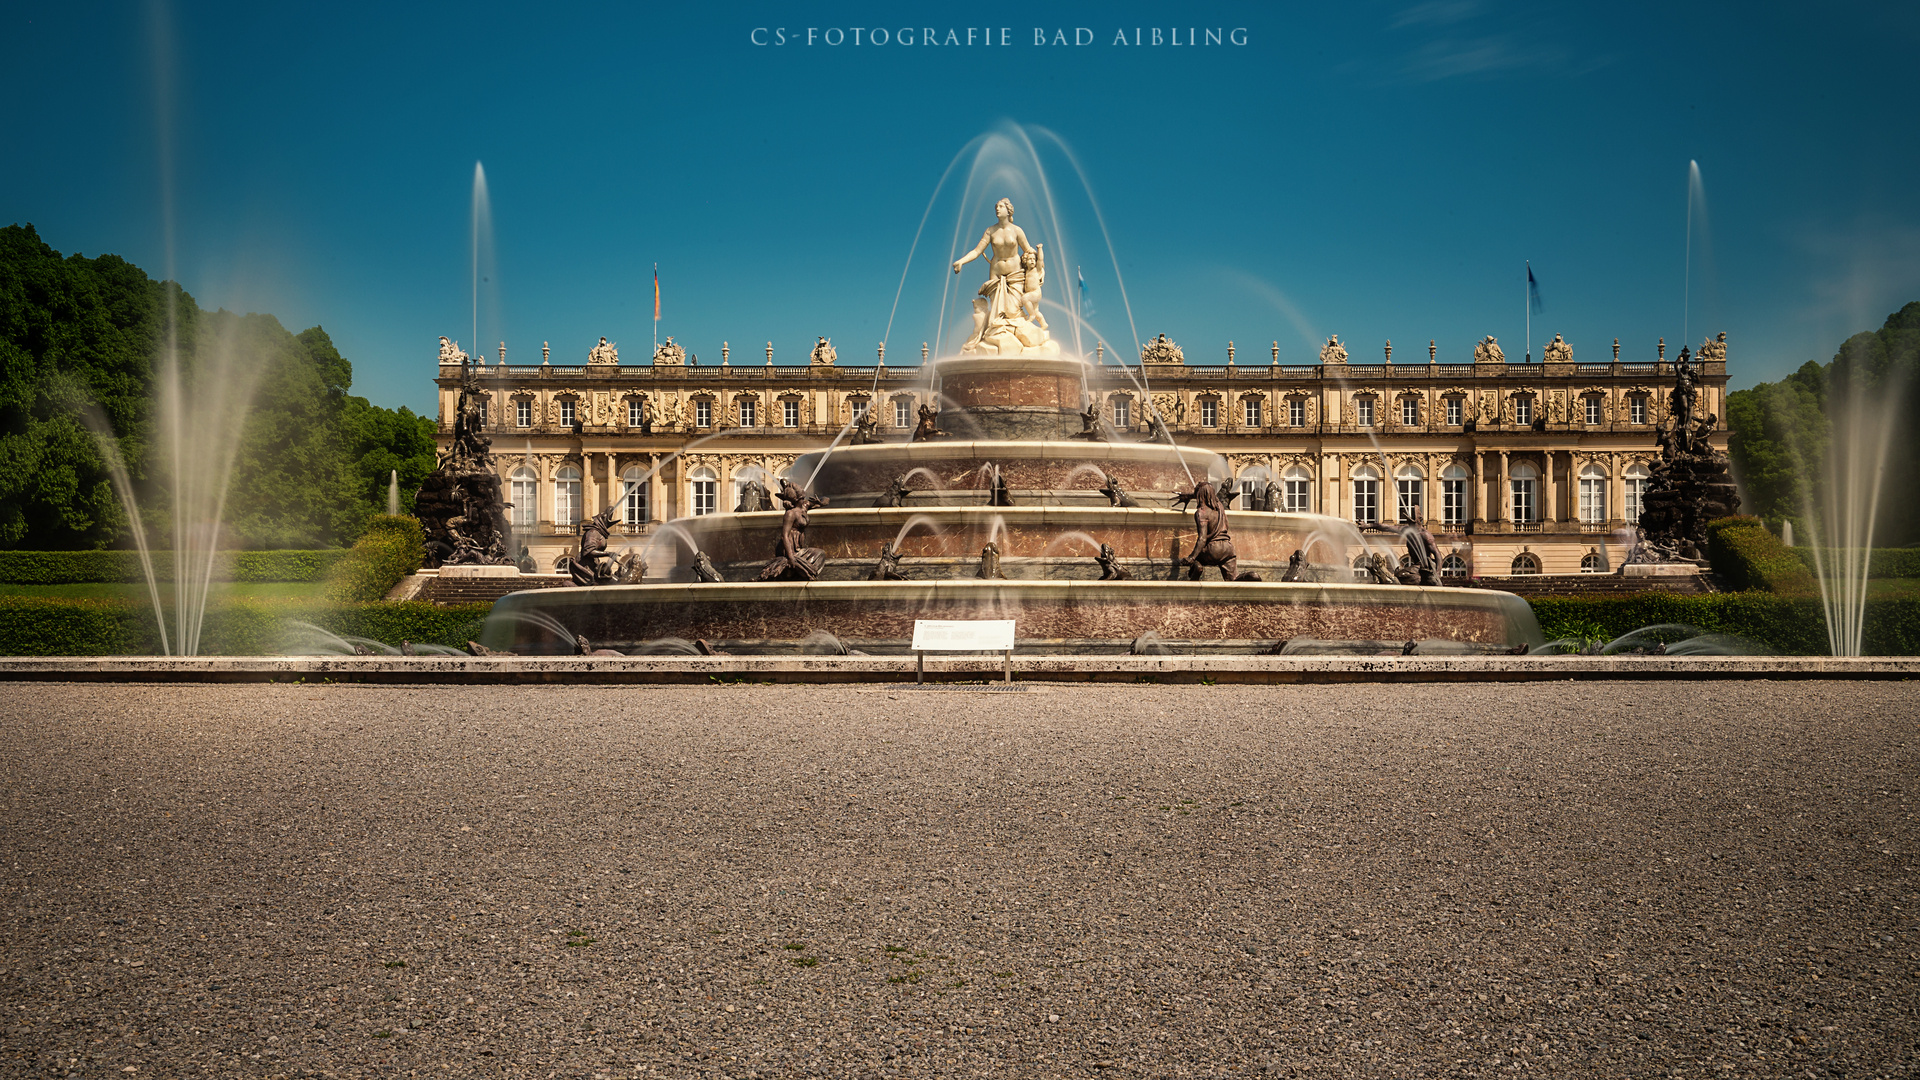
1701	880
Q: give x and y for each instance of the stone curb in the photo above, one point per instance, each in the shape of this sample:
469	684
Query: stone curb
872	669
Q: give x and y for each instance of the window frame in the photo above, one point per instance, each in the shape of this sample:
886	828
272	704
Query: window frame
789	413
1209	412
1297	412
749	411
567	493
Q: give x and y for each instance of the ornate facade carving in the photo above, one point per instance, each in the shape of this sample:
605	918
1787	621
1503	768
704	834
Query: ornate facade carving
1161	351
669	355
1557	351
605	353
1487	351
822	354
1333	352
1557	406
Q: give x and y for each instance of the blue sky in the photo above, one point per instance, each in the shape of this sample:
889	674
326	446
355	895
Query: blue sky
1381	171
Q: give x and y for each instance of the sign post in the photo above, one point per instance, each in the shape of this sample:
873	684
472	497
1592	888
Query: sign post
962	635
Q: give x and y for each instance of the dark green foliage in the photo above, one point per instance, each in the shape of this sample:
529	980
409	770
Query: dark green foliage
1746	556
313	461
1786	624
72	567
1881	562
46	626
1782	431
390	549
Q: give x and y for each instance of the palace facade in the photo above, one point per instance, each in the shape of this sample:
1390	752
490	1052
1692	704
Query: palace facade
1516	468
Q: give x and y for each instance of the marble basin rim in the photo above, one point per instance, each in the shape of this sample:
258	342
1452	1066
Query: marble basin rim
890	459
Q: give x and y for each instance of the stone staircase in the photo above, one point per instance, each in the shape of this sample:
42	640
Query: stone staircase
436	589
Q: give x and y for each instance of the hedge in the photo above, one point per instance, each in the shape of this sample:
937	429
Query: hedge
1746	556
1794	625
91	567
1881	562
59	626
389	550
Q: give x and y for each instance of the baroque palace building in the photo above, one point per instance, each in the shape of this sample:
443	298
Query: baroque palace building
1516	468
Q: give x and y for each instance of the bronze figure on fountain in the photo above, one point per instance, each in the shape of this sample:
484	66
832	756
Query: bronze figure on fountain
792	559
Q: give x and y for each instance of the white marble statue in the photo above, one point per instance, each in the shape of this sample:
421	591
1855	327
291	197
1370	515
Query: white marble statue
450	351
603	353
1006	313
1333	352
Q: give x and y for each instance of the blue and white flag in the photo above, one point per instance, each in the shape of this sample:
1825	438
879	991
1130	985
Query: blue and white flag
1533	291
1086	302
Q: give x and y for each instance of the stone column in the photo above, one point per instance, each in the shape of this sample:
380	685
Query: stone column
1503	493
1552	492
654	508
1478	490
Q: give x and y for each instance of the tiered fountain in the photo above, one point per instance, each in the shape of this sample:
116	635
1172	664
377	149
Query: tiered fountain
1013	503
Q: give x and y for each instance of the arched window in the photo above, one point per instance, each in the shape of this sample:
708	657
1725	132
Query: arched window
706	490
1253	487
1525	563
1453	495
524	494
1410	495
1593	563
1296	490
1366	495
1363	567
1525	481
1593	495
741	478
566	496
1637	480
633	485
1453	566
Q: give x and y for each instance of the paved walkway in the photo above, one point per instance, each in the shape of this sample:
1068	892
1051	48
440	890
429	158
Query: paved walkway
1578	879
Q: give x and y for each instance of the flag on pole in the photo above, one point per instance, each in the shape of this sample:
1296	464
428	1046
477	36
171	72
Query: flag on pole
1086	302
1533	291
656	292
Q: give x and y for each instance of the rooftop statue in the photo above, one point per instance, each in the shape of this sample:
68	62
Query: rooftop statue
1006	313
1159	350
1333	352
667	354
823	354
1487	351
605	353
1715	349
1557	351
450	351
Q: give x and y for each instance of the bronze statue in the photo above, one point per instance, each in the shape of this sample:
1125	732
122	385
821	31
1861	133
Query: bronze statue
888	569
1380	570
997	493
896	493
1090	426
1212	545
1422	564
929	425
631	569
753	498
1691	482
866	428
1110	568
989	568
459	504
792	559
1297	568
703	568
1117	495
593	565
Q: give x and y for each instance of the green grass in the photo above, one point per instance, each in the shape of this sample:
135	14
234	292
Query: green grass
252	590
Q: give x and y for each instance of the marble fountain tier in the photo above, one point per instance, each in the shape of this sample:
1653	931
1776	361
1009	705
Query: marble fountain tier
997	509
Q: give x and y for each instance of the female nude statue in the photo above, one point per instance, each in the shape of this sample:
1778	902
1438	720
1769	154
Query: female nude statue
1009	303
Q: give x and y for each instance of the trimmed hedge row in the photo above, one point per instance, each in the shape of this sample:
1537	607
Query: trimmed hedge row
1881	562
389	550
1746	556
1794	625
59	626
110	567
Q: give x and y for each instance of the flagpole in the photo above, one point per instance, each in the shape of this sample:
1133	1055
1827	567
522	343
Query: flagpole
1528	297
656	307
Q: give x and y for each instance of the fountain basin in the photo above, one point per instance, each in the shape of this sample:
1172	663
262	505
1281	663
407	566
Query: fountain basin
857	475
1012	397
1049	616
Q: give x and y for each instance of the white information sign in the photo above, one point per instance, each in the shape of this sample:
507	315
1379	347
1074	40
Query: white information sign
957	635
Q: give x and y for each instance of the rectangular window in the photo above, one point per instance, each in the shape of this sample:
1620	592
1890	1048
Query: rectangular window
1297	496
1366	502
1524	510
1453	502
1636	495
1122	413
1408	494
749	412
1593	412
859	411
902	412
523	413
1363	408
789	414
1297	412
484	410
566	414
1209	412
1523	410
635	412
566	501
1593	501
1637	409
703	414
1454	409
704	492
1410	412
1253	412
